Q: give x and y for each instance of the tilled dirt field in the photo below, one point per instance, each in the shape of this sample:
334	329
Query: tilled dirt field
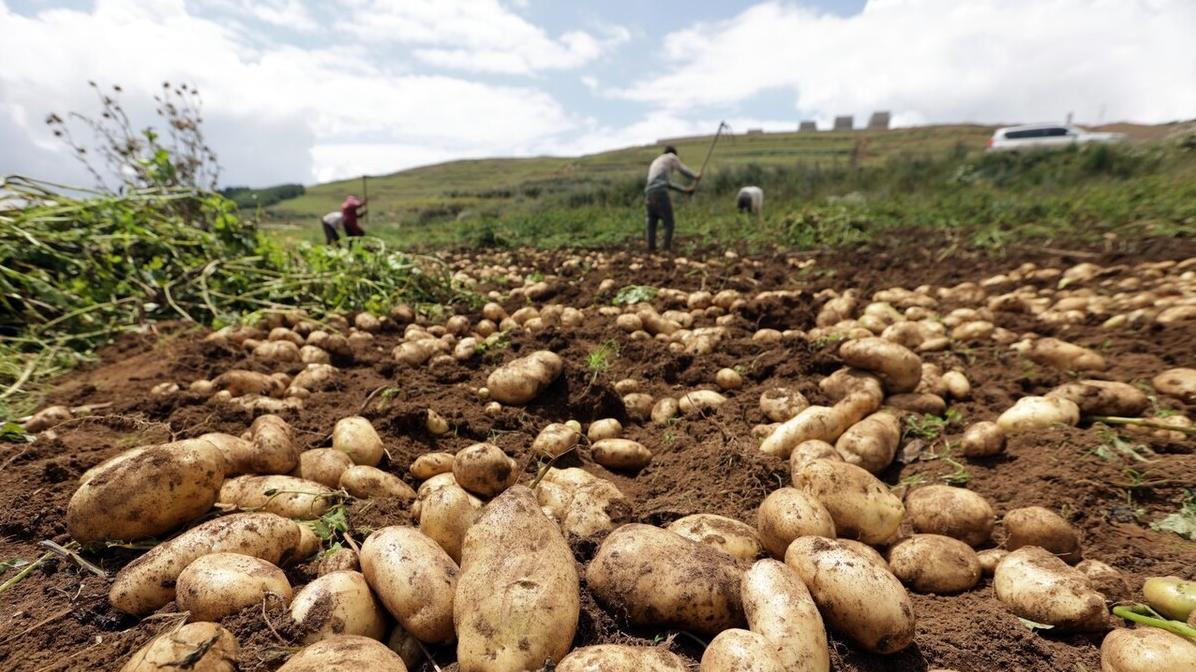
58	618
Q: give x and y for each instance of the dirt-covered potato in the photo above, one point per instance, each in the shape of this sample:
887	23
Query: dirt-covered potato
323	466
1179	383
146	492
1103	397
285	495
932	563
345	653
982	439
429	464
898	367
148	583
555	439
606	428
737	650
664	410
781	403
517	601
872	442
338	603
621	658
846	380
1035	584
778	606
342	559
1171	596
989	559
240	382
445	515
519	381
415	580
820	423
807	451
219	584
589	505
484	469
855	595
1037	526
950	511
661	579
789	513
366	482
861	505
1145	649
1031	414
623	454
736	539
46	418
1105	579
1064	356
700	401
206	647
356	437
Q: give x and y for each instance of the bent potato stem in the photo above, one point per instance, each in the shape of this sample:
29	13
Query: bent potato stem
1143	614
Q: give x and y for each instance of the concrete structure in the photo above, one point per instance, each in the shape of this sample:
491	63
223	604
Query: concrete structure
844	122
879	121
808	126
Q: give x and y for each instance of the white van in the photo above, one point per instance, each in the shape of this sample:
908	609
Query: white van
1046	136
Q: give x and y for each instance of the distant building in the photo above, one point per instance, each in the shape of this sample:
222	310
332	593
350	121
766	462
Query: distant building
879	121
755	131
844	122
808	126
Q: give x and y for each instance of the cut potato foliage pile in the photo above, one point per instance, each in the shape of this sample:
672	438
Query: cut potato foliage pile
724	475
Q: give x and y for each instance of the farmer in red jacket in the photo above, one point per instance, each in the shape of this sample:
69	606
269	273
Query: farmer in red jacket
351	210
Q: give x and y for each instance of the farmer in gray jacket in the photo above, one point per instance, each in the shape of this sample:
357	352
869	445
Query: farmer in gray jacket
656	195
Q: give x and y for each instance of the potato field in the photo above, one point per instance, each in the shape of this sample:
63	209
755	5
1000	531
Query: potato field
893	457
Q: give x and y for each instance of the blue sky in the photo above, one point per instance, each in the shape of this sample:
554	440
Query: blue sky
298	90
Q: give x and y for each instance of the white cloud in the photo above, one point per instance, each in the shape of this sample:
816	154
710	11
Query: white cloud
475	35
942	60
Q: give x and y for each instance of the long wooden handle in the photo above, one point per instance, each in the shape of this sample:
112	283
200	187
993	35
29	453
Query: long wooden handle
709	152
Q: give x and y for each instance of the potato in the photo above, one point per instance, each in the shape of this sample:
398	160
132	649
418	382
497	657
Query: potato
518	600
958	386
1065	356
317	376
861	505
658	578
338	603
622	454
269	450
371	482
700	401
922	404
206	646
788	513
728	535
778	606
415	580
664	410
728	379
323	466
1146	649
1037	526
148	582
820	423
555	440
284	495
1105	580
1103	397
621	658
345	653
221	584
780	403
897	366
146	492
46	418
430	464
1171	596
445	515
932	563
737	650
813	449
1030	414
484	469
1035	584
607	428
240	382
872	442
953	512
1179	383
594	505
342	559
521	380
638	405
982	439
277	351
356	437
846	380
990	558
855	595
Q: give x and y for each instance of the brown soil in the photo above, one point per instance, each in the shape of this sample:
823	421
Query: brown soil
58	618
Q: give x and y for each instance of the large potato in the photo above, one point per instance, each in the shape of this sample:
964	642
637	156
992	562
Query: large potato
484	469
738	650
781	403
789	513
953	512
430	464
1034	584
658	578
855	595
555	440
872	442
846	380
338	603
861	505
323	466
1171	596
1146	650
1065	356
778	606
1103	397
1178	383
519	381
148	493
270	448
606	428
807	451
898	367
582	503
356	437
932	563
445	515
700	401
736	539
1031	414
221	584
240	382
206	646
366	482
621	658
982	439
1106	580
518	601
345	653
623	454
1037	526
285	495
414	578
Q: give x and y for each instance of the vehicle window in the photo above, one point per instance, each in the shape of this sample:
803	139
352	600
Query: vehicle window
1054	132
1028	133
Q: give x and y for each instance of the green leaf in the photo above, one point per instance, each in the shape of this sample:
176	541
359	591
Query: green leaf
633	294
14	433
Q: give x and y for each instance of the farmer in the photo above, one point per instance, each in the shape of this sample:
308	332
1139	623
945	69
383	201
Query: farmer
658	206
750	199
331	222
351	210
